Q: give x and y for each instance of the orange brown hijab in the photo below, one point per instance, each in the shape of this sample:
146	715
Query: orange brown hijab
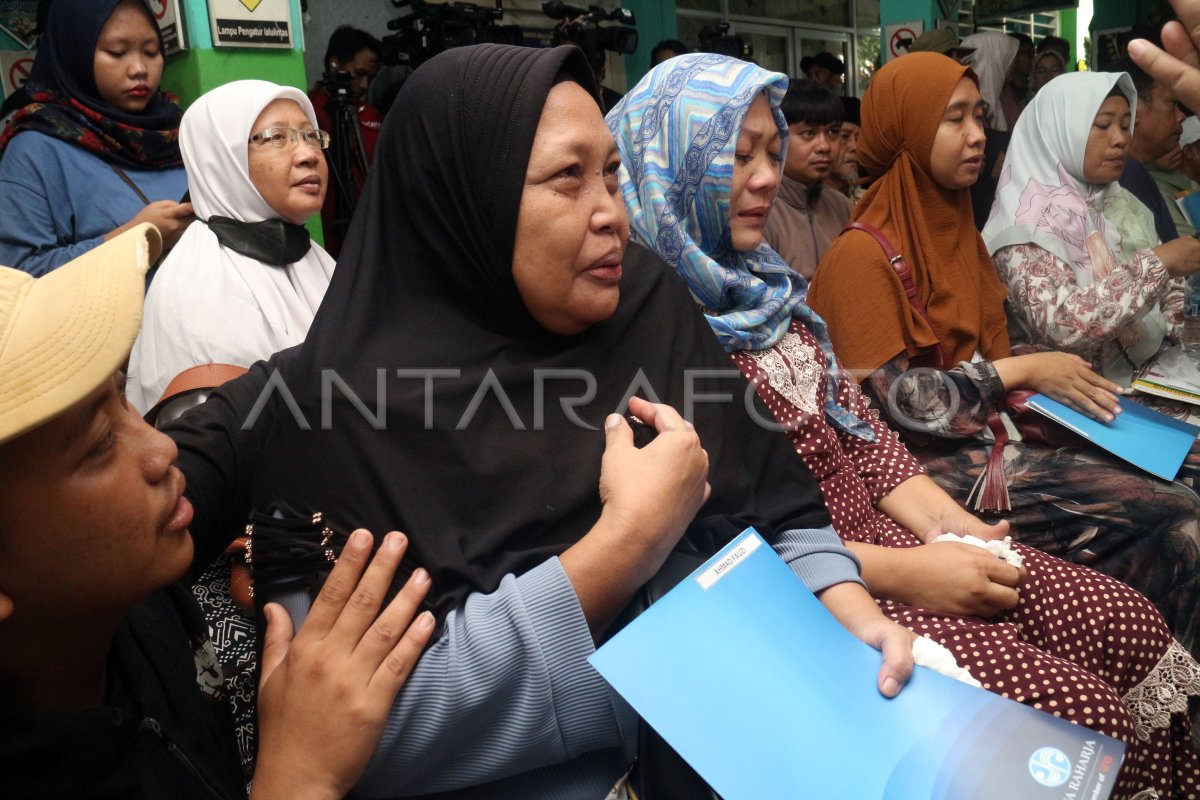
855	289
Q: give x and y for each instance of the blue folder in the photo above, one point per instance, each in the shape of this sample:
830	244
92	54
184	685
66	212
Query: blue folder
1142	436
760	689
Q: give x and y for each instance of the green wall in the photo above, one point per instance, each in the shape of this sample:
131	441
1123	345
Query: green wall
655	22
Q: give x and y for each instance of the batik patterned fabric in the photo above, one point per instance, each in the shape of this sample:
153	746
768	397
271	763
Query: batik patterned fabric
234	637
677	131
117	142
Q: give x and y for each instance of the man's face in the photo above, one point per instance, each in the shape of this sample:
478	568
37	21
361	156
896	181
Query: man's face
1157	125
1023	63
847	169
819	75
362	68
811	151
92	518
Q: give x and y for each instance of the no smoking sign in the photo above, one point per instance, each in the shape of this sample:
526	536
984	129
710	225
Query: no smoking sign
15	66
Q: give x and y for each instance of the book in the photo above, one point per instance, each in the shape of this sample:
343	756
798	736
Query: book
1189	204
743	671
1171	374
1146	438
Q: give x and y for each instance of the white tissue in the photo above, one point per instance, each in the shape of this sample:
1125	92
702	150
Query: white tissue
929	653
1000	548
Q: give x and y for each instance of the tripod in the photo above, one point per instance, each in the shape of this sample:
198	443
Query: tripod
347	153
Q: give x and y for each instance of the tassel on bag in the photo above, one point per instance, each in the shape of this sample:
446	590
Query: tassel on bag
990	492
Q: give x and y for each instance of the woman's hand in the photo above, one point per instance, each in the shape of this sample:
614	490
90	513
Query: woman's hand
1064	377
653	492
924	508
171	219
326	692
1181	256
957	578
953	518
650	495
854	608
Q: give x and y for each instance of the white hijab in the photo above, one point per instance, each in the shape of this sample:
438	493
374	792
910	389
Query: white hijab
208	304
1044	199
993	57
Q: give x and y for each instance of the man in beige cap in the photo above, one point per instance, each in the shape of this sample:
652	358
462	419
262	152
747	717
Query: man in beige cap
941	40
110	687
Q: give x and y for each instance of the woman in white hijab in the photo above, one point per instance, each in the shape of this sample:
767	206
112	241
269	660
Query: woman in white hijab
991	60
994	55
1084	267
245	280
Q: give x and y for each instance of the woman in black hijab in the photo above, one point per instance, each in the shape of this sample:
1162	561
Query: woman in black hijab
95	125
454	385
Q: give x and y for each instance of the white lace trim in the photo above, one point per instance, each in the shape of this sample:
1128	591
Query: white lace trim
1163	692
1146	794
794	371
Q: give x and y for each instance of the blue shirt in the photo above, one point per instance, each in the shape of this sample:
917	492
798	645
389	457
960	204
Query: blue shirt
57	200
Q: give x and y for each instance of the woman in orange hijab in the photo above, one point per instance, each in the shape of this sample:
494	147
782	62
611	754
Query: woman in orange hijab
937	366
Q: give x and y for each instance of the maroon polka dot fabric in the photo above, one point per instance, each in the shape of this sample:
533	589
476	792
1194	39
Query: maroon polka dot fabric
1079	645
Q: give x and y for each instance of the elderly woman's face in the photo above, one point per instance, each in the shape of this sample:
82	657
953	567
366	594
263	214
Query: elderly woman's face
289	173
1047	67
572	228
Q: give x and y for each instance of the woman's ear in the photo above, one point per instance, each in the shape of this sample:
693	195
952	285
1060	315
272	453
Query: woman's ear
6	606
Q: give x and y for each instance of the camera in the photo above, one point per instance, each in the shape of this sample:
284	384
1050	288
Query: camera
339	83
425	29
582	27
717	39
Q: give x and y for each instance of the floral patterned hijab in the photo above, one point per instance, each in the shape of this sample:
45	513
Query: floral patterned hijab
1043	197
677	131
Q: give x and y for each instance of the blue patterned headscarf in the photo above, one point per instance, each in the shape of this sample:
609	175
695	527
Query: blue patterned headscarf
677	131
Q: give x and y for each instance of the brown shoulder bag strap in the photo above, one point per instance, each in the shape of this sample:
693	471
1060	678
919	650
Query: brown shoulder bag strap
906	279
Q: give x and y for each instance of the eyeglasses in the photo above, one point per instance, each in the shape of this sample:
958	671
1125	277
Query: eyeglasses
278	137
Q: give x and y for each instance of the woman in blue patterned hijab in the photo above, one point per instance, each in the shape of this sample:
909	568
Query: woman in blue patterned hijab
678	135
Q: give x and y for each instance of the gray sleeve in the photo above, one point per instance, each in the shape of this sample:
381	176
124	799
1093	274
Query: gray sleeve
506	688
818	557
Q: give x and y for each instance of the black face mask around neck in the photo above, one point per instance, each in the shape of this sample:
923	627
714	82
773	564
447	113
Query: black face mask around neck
271	241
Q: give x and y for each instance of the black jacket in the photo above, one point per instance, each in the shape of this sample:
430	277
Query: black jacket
164	730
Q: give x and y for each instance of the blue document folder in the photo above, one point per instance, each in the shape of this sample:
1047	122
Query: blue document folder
1142	436
760	689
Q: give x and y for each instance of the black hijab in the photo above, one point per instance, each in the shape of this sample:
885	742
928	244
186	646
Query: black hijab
425	282
66	104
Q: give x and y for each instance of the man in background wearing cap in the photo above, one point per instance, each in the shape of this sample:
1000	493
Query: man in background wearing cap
110	687
1172	181
826	69
941	40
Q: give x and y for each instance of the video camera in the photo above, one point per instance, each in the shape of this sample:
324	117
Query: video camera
426	29
583	28
339	83
717	39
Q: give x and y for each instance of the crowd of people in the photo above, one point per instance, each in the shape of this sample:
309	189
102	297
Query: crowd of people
463	442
